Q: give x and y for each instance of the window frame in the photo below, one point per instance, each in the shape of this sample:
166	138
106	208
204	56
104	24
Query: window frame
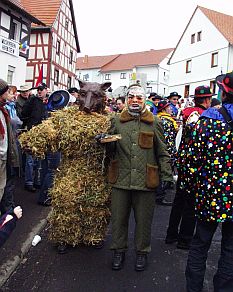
123	75
188	66
193	38
199	36
56	76
58	47
107	76
213	64
186	90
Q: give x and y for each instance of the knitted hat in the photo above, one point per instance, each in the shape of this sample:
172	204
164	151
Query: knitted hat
3	86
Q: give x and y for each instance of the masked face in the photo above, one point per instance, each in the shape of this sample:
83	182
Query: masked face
136	99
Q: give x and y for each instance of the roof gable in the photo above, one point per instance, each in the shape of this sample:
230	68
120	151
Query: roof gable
223	22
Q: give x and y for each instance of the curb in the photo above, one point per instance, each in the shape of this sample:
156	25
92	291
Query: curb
9	267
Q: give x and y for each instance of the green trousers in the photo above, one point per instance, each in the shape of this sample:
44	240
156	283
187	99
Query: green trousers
143	204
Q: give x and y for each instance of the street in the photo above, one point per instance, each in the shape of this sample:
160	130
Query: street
87	269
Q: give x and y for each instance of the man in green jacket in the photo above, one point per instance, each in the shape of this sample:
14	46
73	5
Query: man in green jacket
139	160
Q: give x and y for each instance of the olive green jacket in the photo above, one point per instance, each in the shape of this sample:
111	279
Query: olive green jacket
140	159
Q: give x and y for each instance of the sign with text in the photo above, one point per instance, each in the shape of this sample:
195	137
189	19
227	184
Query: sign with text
9	46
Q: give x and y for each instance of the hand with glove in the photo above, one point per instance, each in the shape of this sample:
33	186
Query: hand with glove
167	185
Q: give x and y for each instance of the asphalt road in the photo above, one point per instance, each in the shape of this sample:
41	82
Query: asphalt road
85	269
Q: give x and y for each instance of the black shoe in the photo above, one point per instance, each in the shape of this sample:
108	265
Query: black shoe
30	188
141	262
118	260
164	202
62	248
170	240
183	245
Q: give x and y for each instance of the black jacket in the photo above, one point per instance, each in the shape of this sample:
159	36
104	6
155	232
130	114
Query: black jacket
34	111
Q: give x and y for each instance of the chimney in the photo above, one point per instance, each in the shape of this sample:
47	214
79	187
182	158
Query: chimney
85	60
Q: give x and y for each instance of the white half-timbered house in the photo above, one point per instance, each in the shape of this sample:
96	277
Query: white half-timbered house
15	29
54	46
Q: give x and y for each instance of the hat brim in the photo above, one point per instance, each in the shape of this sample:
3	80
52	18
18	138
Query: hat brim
203	95
170	96
54	105
221	85
166	105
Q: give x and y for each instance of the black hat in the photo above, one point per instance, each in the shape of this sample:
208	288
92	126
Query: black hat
73	90
155	96
58	99
174	93
202	91
162	105
225	82
41	86
3	86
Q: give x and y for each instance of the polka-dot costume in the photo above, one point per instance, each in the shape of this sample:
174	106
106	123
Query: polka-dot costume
208	161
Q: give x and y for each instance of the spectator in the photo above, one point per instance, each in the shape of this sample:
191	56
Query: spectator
173	98
75	92
8	223
34	112
8	147
152	102
120	104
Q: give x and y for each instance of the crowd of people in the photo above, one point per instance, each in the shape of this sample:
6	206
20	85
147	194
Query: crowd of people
163	140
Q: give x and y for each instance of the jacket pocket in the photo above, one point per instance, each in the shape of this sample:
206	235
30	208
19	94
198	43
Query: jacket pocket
152	176
146	140
113	171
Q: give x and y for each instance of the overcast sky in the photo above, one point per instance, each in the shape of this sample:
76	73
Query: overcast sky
108	27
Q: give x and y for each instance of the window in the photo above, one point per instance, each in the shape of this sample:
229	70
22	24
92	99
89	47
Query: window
214	60
123	76
188	66
58	47
107	76
66	23
10	74
86	77
56	77
199	36
15	30
186	91
71	57
148	90
193	38
213	86
68	82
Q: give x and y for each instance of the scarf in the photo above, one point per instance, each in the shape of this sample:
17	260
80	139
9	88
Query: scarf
7	118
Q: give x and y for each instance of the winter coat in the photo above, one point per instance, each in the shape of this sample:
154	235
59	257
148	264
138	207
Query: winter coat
209	159
140	158
34	111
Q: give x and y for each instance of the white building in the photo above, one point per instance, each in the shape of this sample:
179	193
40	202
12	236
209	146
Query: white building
204	51
15	26
150	68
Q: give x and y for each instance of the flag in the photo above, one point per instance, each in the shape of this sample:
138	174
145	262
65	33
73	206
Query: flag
40	77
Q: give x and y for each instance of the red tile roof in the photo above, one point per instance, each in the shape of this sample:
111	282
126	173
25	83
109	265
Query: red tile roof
45	10
123	61
93	62
223	22
131	60
18	5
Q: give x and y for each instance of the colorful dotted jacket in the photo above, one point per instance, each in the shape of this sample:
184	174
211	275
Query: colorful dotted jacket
209	161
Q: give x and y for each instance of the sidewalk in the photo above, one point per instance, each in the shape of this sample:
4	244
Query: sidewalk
32	222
